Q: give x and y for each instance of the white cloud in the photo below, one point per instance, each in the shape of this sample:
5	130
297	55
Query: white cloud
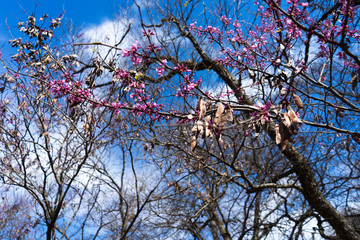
109	32
220	90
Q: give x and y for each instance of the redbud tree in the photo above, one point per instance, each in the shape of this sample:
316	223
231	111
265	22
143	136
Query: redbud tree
266	104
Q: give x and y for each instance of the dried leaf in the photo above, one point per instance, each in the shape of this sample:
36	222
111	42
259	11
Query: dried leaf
190	116
207	126
201	107
89	118
145	146
45	127
193	143
283	75
220	139
276	111
200	125
298	101
354	80
289	63
91	121
194	128
251	73
22	105
284	134
287	120
274	81
229	115
198	128
278	135
223	120
283	91
260	104
295	120
262	121
15	133
86	127
198	104
291	113
218	114
262	80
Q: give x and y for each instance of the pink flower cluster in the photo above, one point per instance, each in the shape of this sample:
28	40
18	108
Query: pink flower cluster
118	105
60	87
79	96
122	75
139	93
263	113
160	70
187	87
135	57
148	33
181	68
152	48
149	108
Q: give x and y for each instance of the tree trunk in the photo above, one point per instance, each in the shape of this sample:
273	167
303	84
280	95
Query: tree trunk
257	216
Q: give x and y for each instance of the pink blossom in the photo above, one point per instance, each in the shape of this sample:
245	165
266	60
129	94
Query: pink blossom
152	48
192	26
148	33
225	20
135	57
60	87
181	68
160	71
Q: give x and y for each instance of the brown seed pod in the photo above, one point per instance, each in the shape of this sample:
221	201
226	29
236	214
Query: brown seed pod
201	107
218	114
298	102
193	143
207	126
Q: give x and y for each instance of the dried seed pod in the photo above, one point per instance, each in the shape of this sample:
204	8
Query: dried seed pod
219	113
284	135
190	116
287	120
229	115
193	143
295	120
207	126
354	80
298	101
252	75
277	135
283	91
198	128
202	108
293	116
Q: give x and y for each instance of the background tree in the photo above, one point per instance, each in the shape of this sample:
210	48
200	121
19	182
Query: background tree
52	146
15	215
